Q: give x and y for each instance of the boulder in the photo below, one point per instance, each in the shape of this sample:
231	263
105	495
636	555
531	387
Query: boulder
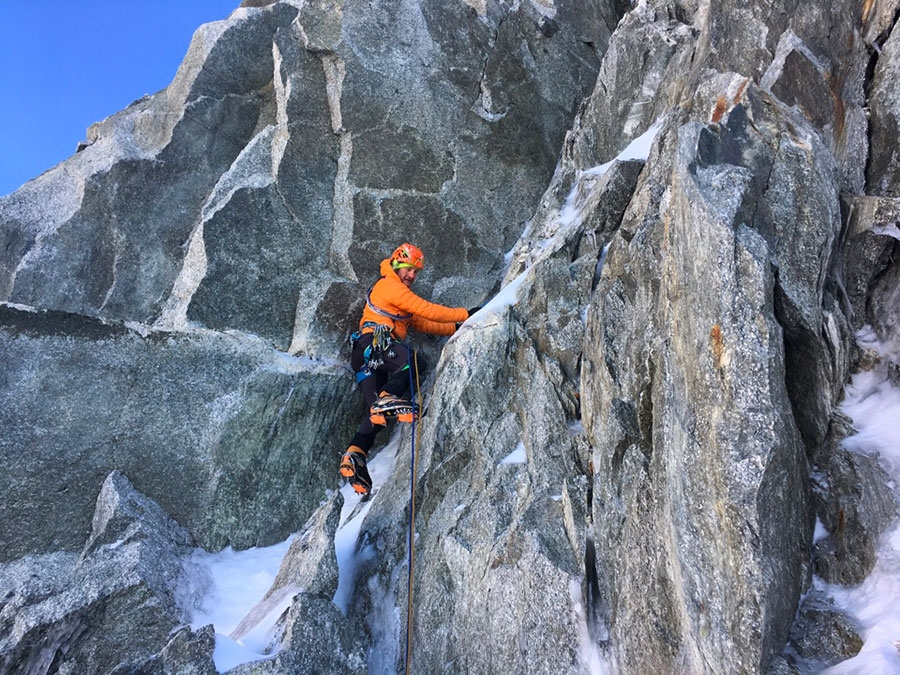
188	652
116	601
823	636
855	505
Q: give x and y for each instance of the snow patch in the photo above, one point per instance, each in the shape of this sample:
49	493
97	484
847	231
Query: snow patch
517	456
222	588
888	230
496	305
576	428
639	148
589	652
353	515
873	404
820	532
230	584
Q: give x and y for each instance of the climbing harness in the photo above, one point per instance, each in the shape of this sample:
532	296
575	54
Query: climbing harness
413	465
382	337
373	355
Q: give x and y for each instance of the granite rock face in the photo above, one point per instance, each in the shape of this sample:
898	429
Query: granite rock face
297	145
696	397
206	424
254	197
679	215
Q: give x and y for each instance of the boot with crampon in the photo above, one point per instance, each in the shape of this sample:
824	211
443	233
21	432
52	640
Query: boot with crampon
387	405
353	468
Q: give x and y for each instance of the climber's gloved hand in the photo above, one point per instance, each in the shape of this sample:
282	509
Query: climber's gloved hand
473	310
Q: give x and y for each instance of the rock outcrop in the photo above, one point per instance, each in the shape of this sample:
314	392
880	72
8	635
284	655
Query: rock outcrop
117	600
683	211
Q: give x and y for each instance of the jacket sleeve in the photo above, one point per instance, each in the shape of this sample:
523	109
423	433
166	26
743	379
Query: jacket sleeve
433	327
411	303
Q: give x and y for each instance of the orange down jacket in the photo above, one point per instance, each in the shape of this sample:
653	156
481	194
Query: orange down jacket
391	296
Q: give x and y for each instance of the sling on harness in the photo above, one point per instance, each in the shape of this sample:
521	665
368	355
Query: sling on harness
378	310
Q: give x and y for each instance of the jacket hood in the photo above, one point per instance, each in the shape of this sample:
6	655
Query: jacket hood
387	270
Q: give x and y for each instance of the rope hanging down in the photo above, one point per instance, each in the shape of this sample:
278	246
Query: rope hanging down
411	561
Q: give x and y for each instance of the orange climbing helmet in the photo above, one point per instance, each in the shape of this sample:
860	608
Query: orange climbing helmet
407	255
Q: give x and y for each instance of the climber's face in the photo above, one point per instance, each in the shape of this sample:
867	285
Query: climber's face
407	275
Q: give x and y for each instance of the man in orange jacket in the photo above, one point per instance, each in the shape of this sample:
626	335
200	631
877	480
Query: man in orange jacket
384	366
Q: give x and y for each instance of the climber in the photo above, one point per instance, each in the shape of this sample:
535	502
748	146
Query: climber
383	364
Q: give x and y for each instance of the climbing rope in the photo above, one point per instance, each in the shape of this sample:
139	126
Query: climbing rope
413	465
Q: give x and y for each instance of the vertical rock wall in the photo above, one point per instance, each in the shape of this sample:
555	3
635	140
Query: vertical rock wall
298	143
701	490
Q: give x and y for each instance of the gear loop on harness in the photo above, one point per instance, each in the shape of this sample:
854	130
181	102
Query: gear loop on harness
382	339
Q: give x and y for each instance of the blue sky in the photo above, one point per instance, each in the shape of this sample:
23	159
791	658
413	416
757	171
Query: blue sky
65	64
